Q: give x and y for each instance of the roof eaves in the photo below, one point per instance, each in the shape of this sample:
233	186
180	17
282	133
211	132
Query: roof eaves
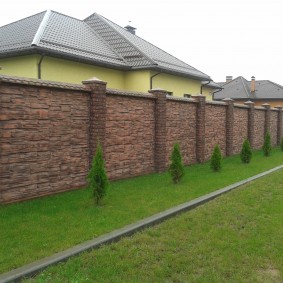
41	28
157	68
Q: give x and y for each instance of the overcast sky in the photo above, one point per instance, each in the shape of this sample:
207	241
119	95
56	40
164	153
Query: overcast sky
218	37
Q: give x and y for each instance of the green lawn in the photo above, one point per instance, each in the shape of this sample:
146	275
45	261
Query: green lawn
235	238
41	227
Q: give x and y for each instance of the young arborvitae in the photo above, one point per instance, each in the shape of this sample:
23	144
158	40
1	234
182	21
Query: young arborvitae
97	177
281	144
267	144
176	168
246	152
216	158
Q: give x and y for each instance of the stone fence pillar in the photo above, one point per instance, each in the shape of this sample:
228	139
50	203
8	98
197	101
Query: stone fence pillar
200	128
279	124
267	118
97	114
229	125
160	129
251	123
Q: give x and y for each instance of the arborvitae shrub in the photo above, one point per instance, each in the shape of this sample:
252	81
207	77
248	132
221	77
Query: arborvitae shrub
281	144
97	177
246	152
176	168
216	158
267	144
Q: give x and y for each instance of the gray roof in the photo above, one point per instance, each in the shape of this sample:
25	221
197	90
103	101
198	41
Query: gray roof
95	40
239	88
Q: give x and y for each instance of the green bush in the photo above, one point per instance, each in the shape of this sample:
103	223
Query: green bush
281	144
97	177
246	152
267	144
176	168
216	158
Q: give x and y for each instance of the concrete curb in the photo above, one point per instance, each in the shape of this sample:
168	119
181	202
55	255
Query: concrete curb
30	269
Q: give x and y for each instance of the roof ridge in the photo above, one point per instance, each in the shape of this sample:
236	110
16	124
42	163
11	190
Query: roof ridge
244	85
96	33
129	42
275	83
41	28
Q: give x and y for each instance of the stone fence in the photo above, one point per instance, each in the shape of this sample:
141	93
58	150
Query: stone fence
48	132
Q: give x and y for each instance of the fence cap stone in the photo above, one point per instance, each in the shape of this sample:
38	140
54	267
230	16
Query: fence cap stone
93	80
227	99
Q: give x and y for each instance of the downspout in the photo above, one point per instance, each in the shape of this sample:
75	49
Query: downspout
203	86
152	78
39	66
215	92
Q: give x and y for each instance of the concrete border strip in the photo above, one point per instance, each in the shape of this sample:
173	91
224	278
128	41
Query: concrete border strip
28	270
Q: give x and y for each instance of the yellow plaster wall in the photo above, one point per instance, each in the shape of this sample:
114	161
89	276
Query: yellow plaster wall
178	85
22	66
137	81
208	92
74	72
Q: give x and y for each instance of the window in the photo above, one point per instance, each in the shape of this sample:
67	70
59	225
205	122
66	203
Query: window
169	93
187	95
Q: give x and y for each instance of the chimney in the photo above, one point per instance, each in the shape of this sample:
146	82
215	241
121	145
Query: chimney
229	79
253	84
130	29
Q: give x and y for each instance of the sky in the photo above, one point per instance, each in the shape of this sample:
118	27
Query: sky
220	37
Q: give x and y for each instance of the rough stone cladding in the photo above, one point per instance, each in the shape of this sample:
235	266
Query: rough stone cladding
240	128
181	128
259	128
273	127
48	131
215	129
44	141
129	143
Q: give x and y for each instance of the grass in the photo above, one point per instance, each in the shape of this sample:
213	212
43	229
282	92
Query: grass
235	238
41	227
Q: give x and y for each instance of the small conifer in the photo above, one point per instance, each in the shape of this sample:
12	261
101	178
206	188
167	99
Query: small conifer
267	144
216	158
97	177
176	168
246	152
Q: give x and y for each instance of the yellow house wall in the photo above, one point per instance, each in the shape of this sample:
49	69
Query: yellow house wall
68	71
22	66
208	92
178	85
137	81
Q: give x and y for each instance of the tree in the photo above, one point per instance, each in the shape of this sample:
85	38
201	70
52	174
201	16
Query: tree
97	177
176	168
246	152
267	144
281	144
216	158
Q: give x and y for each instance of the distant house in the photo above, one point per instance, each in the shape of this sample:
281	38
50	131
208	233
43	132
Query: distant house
258	91
53	46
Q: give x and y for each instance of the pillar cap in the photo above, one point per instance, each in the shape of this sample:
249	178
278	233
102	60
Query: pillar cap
93	80
249	102
279	106
157	90
227	99
266	105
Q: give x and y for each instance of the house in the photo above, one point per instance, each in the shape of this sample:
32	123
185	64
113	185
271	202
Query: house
258	91
53	46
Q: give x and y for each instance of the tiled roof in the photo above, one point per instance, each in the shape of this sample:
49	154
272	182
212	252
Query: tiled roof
95	40
239	88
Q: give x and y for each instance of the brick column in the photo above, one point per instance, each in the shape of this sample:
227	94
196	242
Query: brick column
267	118
251	123
97	114
200	128
279	124
160	129
229	125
